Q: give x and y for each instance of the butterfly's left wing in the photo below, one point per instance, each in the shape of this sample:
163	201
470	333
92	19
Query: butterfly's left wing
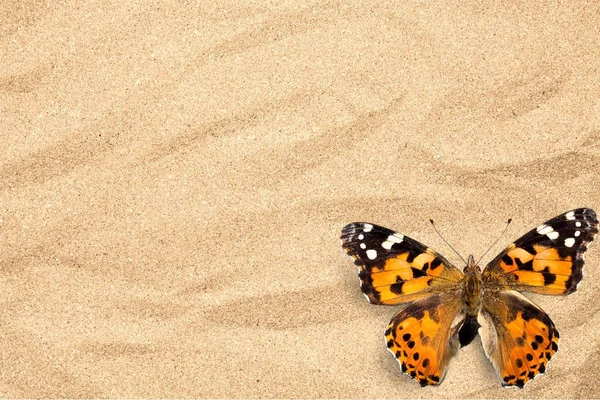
394	268
549	259
518	337
424	337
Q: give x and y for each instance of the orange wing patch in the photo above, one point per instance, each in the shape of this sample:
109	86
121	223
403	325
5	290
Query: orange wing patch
544	271
399	280
424	336
394	268
518	337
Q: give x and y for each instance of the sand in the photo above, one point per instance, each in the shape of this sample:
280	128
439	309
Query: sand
174	177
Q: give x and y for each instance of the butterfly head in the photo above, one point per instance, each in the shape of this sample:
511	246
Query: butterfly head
472	266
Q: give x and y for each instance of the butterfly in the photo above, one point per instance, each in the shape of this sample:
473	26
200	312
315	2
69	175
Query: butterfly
448	307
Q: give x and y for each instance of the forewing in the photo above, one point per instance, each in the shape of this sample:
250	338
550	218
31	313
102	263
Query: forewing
518	337
549	259
394	268
424	336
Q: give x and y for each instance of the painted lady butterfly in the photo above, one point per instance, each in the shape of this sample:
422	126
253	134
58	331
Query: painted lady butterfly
448	308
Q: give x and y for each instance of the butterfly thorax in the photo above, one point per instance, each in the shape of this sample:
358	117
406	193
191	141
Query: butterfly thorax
472	287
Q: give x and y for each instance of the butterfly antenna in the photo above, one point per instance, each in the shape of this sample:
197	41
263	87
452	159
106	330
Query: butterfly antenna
493	244
445	241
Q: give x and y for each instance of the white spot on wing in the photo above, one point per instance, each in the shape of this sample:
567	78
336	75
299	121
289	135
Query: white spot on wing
570	215
361	236
389	242
372	254
544	229
577	233
553	235
569	242
578	224
363	246
396	238
367	228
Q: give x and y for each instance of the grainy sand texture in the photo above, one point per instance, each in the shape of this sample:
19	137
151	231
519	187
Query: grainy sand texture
174	177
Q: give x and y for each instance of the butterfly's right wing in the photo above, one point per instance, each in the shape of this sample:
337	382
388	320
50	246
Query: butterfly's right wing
518	337
394	268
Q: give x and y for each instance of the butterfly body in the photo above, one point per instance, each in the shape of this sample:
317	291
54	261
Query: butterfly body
472	287
447	308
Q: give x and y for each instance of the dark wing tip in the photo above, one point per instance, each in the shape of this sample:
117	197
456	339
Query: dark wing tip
359	227
590	228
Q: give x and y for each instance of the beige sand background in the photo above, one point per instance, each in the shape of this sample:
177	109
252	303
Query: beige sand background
174	177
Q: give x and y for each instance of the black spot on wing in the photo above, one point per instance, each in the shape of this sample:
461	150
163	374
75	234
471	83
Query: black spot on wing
507	259
528	247
397	287
519	363
539	339
534	345
435	263
411	256
549	277
520	341
417	273
527	266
